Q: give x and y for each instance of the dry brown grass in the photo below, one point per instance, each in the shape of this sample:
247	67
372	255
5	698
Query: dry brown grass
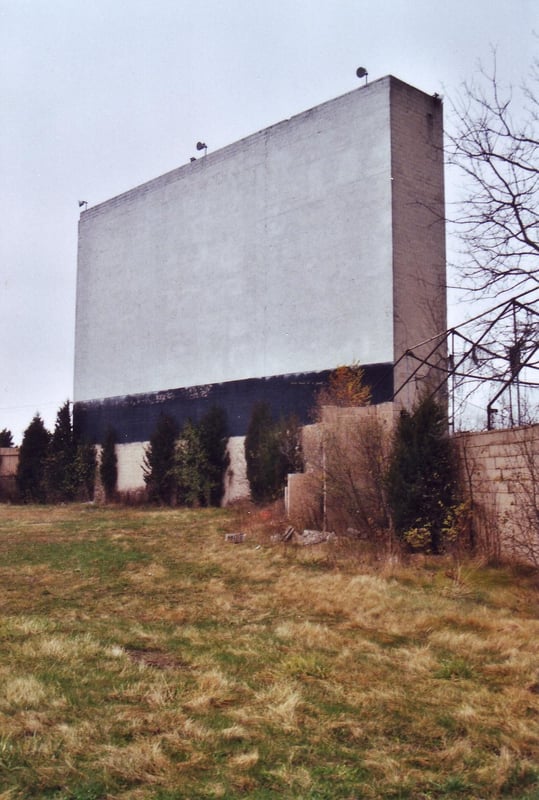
142	657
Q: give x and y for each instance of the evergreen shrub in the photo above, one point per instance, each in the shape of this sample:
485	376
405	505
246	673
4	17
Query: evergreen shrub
272	450
33	452
421	479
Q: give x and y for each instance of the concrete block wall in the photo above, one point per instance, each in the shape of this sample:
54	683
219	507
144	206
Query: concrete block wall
500	476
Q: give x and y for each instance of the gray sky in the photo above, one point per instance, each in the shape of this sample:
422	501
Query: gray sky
98	96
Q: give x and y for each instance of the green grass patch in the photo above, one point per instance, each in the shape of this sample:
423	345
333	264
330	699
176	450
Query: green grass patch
454	668
102	556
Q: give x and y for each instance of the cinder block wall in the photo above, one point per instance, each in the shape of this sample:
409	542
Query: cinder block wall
500	476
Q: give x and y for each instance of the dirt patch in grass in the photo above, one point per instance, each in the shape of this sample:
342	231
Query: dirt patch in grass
156	658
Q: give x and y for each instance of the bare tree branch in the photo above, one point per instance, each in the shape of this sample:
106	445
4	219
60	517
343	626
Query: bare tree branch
495	145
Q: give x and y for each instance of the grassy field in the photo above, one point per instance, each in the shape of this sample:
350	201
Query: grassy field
142	657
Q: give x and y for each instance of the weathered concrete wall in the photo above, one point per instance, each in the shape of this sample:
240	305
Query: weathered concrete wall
500	474
130	460
236	483
130	484
345	458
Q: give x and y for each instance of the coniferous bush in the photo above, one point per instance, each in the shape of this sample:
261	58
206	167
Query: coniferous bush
272	450
33	453
61	476
213	432
85	460
55	468
202	460
191	467
159	465
421	479
188	467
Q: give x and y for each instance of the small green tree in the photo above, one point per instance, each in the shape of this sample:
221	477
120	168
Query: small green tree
261	454
30	477
191	469
421	479
271	451
61	473
213	431
202	460
6	438
108	465
159	465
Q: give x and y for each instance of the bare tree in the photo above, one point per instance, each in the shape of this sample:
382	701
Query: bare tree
494	143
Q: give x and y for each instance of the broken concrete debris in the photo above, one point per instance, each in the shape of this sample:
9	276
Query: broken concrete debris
308	537
235	538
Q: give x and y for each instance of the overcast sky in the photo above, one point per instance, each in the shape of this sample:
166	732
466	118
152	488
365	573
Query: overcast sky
98	96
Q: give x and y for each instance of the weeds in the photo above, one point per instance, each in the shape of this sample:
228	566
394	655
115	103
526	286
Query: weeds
142	657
